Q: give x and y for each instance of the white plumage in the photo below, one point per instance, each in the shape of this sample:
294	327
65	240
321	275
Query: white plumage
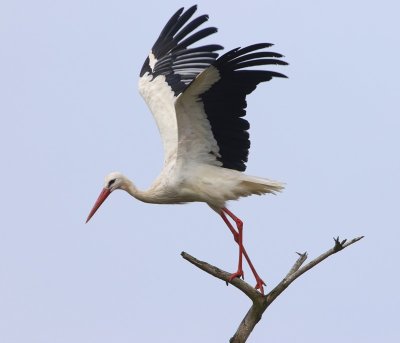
198	101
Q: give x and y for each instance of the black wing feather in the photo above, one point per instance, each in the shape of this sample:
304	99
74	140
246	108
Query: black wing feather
193	25
179	64
225	102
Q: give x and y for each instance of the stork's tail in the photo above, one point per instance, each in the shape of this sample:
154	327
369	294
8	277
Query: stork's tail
257	185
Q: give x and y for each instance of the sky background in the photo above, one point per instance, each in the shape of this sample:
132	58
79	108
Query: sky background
71	113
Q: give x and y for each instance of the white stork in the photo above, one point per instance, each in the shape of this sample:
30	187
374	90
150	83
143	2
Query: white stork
198	101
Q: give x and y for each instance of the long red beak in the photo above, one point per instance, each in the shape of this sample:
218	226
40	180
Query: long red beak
103	196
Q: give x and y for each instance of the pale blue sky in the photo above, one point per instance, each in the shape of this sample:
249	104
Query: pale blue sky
71	113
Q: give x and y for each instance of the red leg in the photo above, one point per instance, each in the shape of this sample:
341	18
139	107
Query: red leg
238	236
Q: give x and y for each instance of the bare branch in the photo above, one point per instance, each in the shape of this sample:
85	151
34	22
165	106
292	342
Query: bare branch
297	264
261	302
252	293
337	247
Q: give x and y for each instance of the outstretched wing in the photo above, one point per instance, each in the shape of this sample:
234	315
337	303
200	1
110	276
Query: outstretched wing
211	127
171	66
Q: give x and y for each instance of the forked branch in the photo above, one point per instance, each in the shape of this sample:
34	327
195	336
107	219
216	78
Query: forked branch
261	302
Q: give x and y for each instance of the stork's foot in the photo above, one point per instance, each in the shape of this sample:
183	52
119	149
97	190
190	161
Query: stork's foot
238	274
260	285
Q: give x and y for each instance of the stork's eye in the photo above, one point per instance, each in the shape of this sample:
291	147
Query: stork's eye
110	183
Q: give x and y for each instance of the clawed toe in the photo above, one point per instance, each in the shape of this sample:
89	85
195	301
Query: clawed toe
238	274
260	285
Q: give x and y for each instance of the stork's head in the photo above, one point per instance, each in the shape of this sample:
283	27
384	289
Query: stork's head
112	181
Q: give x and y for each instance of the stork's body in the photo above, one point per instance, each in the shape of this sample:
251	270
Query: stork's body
198	102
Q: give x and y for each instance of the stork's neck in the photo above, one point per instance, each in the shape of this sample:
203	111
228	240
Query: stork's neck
136	193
